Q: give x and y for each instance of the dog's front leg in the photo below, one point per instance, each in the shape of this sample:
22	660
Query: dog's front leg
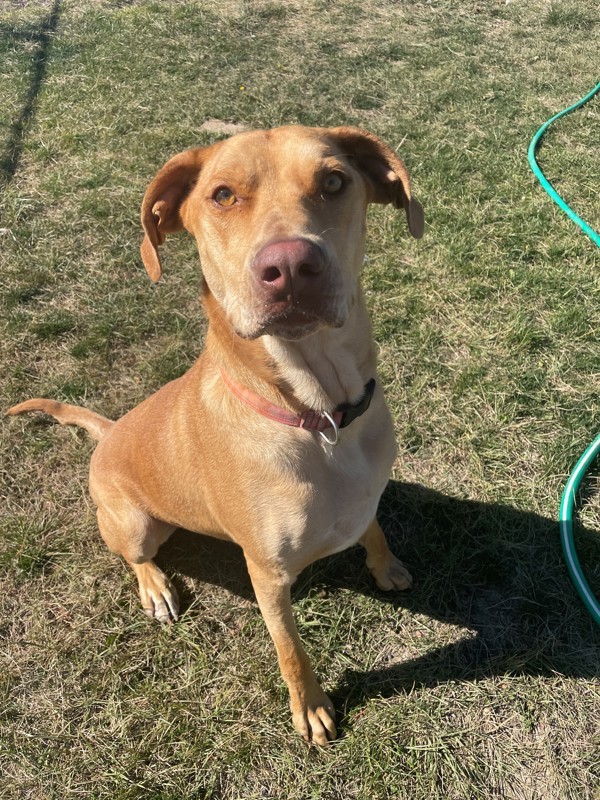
312	711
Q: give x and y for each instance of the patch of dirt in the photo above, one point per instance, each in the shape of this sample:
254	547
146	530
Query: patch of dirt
219	126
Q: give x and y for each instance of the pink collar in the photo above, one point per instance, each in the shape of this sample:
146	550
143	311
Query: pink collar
309	420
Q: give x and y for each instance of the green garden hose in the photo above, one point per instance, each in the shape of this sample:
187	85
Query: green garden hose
565	514
565	519
533	145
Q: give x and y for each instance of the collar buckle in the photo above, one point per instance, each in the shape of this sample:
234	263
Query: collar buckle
351	412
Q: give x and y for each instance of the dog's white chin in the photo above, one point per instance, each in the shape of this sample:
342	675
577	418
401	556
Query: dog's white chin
290	330
292	334
280	331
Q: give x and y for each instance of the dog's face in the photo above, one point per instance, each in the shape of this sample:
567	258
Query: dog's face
279	218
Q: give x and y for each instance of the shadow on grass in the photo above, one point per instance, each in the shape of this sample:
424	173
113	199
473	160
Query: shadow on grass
494	570
9	162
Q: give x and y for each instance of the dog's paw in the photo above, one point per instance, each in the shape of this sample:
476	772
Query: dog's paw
392	576
314	718
159	597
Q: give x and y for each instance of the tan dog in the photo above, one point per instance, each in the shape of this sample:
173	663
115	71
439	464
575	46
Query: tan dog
269	439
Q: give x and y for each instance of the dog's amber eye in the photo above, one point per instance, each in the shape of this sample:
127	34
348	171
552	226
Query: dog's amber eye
333	183
225	197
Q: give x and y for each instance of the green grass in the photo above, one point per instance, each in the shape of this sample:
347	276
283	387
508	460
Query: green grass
480	683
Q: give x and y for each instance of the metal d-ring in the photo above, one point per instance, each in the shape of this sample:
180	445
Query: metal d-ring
334	441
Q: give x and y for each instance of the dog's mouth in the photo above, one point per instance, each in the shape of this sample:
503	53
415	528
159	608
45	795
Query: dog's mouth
292	322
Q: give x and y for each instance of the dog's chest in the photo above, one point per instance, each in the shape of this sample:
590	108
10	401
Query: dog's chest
326	503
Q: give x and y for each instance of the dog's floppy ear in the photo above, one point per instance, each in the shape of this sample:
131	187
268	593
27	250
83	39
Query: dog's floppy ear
386	175
161	207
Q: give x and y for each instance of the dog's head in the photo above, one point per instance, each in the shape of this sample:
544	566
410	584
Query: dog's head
279	218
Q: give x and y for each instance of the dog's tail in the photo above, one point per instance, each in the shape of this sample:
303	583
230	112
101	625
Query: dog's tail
66	414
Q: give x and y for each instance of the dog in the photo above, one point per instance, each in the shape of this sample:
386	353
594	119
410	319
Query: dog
278	437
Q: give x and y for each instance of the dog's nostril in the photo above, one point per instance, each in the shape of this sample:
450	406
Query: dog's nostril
309	268
271	274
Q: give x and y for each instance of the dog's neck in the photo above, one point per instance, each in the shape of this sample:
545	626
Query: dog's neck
320	372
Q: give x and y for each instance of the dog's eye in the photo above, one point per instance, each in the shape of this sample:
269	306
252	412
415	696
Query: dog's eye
225	197
333	183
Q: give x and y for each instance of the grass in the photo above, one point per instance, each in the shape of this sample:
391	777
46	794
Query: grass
482	682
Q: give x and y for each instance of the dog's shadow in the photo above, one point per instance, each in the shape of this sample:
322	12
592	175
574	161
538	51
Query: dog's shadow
496	571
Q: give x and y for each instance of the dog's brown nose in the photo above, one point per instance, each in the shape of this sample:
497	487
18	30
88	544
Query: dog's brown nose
288	271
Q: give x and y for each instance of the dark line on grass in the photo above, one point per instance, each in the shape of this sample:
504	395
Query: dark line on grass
14	147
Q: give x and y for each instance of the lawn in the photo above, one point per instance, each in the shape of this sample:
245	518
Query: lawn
482	682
